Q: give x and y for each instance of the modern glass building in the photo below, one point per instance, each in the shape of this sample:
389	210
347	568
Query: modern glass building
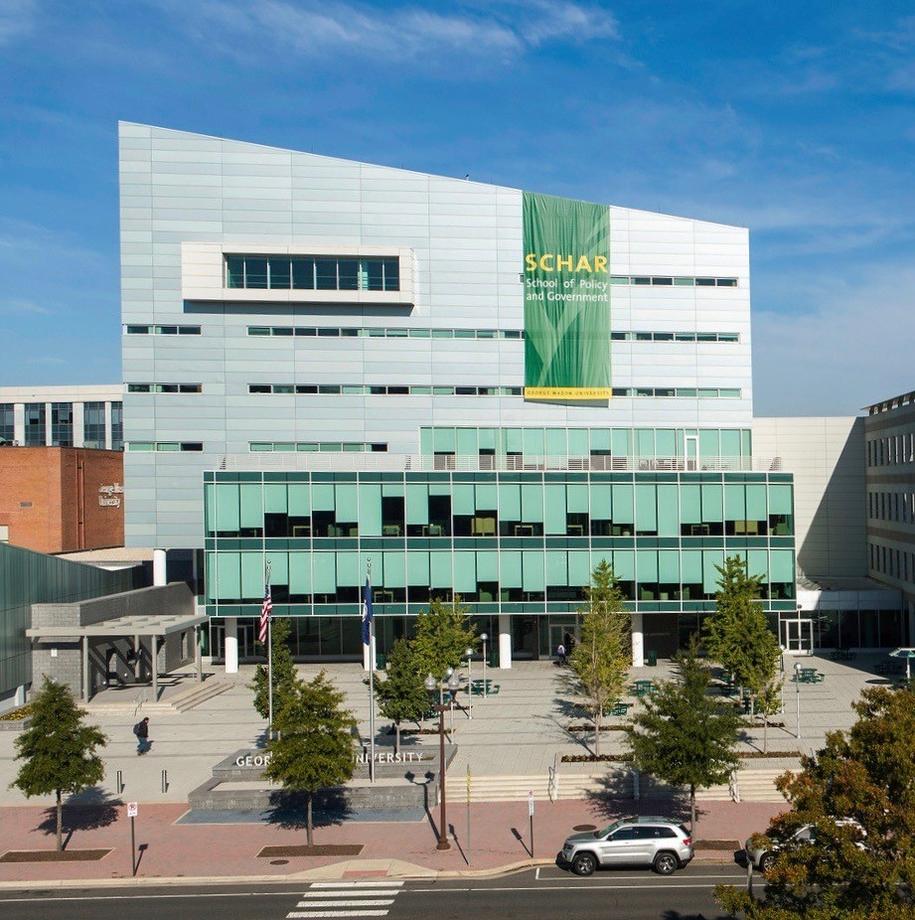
481	391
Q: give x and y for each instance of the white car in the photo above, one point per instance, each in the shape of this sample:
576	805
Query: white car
763	858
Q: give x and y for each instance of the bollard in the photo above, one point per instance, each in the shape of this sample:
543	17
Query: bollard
164	781
120	782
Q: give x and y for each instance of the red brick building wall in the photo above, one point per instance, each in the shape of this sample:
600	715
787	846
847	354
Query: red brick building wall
62	499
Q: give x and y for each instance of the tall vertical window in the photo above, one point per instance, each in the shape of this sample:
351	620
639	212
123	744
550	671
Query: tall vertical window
117	426
7	426
61	424
94	425
34	425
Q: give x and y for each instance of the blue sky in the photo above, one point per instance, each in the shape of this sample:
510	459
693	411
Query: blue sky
794	120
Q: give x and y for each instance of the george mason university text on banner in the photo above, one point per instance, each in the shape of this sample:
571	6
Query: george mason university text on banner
566	299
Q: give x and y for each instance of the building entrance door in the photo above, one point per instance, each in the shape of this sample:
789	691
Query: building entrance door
797	636
246	637
563	632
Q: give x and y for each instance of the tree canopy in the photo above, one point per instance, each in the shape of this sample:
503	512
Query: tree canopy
859	792
683	736
402	696
443	633
600	660
284	672
58	750
314	747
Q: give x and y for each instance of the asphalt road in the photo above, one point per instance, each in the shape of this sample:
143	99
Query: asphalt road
547	893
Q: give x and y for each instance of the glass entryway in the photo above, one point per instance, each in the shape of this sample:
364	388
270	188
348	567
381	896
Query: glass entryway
568	634
796	636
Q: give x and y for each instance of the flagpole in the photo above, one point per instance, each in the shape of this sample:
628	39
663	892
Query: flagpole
269	666
368	580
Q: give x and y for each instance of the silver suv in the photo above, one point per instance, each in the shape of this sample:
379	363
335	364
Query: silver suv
660	843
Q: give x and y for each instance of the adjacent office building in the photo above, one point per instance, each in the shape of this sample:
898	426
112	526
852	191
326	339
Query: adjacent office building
62	416
475	390
890	451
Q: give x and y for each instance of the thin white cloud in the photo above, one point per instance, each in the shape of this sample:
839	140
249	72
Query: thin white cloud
19	306
394	32
17	17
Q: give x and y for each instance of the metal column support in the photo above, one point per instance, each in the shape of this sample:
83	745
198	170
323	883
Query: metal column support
85	651
154	665
137	649
197	659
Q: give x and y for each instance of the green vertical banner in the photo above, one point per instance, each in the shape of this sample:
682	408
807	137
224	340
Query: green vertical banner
566	299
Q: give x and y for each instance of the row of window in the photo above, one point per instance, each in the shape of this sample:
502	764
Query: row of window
484	576
503	509
891	450
164	388
402	332
35	416
165	446
646	443
891	506
357	389
333	447
906	399
313	273
891	562
162	330
675	281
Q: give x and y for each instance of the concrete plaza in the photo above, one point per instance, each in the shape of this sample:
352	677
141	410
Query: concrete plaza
519	731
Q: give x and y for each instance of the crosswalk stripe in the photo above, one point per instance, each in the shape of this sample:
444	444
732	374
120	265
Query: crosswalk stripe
361	902
351	893
381	883
307	914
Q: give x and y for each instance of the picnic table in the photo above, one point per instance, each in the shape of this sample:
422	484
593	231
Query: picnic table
479	687
620	708
809	676
643	688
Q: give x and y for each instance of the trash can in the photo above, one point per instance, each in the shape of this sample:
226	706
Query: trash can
651	659
493	658
380	662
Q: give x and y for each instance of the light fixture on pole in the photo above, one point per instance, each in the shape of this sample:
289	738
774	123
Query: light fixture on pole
797	694
431	683
469	653
483	638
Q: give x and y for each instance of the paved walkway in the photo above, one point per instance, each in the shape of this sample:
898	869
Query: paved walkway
196	851
519	731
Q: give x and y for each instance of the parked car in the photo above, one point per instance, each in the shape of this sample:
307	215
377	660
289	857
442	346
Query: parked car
764	856
650	841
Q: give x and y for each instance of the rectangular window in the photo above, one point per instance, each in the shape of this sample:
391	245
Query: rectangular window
7	426
35	425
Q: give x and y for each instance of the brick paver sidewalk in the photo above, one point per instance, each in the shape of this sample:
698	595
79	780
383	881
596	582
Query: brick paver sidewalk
195	851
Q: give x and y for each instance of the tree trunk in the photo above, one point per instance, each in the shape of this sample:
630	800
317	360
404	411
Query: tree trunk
597	717
692	810
60	838
397	737
765	732
309	826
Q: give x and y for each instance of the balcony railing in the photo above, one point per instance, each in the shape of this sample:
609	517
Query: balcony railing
331	462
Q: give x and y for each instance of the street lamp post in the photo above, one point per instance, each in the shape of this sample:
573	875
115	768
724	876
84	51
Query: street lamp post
469	653
483	638
453	682
797	694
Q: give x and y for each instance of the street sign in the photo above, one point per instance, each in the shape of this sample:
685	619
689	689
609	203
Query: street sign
132	810
530	804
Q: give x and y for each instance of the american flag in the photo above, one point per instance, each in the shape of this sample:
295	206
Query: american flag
266	610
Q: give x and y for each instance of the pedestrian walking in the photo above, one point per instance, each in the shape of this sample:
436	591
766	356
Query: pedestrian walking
141	730
561	654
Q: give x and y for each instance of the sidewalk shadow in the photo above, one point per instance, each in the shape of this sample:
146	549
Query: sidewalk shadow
614	798
676	915
517	835
89	810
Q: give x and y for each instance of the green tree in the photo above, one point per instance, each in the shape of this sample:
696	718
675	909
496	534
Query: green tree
683	736
443	633
402	696
859	792
314	748
58	749
600	660
284	673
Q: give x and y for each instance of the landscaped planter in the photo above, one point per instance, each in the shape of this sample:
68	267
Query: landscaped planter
16	720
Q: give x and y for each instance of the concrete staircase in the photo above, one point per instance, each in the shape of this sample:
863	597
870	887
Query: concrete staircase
185	699
197	694
752	786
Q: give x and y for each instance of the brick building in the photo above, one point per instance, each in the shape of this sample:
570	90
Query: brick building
61	499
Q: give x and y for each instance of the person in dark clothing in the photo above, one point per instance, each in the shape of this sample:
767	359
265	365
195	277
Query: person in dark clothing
141	730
